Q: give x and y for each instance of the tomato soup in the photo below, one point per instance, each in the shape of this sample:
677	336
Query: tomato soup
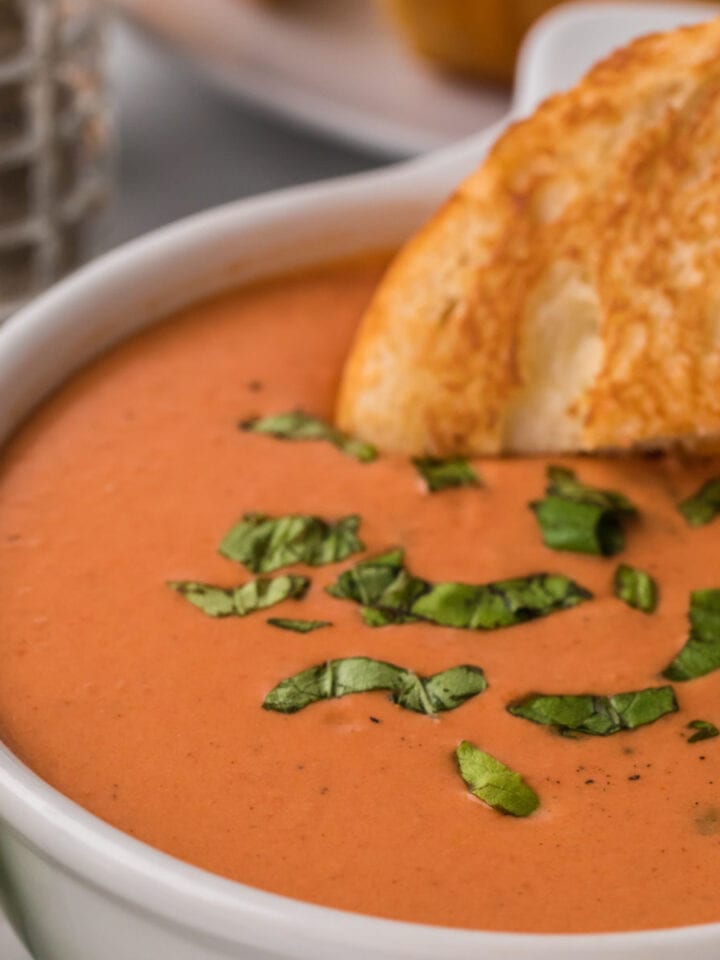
149	713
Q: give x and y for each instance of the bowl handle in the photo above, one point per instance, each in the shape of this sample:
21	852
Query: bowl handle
557	51
565	42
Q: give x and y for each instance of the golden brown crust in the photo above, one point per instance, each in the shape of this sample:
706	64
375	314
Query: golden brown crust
567	296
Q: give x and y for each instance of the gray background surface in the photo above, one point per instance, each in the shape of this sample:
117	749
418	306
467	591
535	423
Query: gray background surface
182	147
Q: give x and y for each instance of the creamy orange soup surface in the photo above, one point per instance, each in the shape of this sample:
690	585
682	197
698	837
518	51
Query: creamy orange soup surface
145	711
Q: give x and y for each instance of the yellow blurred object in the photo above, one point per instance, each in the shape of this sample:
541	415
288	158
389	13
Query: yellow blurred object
474	37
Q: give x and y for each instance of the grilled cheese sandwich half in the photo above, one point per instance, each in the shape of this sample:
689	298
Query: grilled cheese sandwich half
567	296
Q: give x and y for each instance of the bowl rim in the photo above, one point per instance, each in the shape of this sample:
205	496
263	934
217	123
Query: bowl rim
155	883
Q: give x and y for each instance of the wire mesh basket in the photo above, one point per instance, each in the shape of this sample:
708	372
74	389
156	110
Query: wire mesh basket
54	140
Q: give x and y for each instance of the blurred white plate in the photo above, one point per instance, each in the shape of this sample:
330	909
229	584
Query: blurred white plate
334	66
328	64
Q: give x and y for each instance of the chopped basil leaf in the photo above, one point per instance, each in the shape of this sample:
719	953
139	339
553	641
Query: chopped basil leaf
239	601
381	583
297	425
372	617
635	588
704	505
443	474
704	612
298	626
390	594
334	678
265	543
578	527
563	483
500	604
705	731
495	784
338	678
701	653
598	716
451	688
583	519
368	580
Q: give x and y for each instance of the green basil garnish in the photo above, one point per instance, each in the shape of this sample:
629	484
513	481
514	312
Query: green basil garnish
636	588
704	505
297	425
298	626
562	482
495	784
382	586
597	716
372	617
444	474
578	527
338	678
583	519
500	604
701	653
239	601
388	593
265	543
705	730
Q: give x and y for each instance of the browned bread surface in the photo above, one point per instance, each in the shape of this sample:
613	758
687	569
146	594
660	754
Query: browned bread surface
567	296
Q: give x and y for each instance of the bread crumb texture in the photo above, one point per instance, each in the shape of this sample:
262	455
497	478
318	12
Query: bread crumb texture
567	296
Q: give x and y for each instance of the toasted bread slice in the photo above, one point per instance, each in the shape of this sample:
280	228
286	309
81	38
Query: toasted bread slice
567	296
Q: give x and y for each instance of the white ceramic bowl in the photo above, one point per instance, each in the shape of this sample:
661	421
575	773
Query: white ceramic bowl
78	889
